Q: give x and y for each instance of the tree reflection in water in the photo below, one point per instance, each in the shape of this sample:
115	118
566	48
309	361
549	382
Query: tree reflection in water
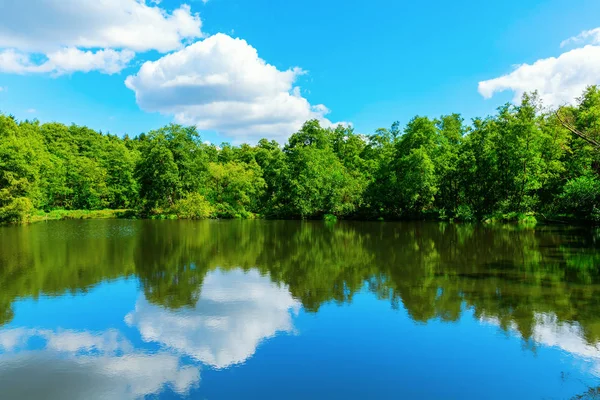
435	271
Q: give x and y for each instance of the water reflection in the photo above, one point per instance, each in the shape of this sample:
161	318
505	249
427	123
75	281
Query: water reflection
211	292
548	331
44	364
235	312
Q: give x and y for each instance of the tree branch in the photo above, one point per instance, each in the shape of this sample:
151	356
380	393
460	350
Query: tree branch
576	132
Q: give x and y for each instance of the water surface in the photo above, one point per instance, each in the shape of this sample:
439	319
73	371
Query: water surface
297	310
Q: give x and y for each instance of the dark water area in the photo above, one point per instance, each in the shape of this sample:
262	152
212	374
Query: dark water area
113	309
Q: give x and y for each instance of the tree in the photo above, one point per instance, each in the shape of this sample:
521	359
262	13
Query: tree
316	181
451	130
157	173
416	181
233	189
19	171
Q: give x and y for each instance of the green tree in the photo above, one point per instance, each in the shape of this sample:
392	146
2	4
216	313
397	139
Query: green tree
233	189
157	173
19	171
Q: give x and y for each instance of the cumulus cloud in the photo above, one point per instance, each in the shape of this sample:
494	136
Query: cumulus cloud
558	80
47	25
235	313
86	35
83	365
589	37
222	84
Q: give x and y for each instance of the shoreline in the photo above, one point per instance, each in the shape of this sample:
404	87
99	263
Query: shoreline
525	220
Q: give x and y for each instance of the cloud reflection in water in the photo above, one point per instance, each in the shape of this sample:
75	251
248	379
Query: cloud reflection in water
235	312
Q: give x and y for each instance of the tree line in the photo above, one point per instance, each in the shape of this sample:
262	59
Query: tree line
522	162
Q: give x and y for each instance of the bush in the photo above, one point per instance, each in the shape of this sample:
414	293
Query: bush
193	206
17	211
330	218
464	213
581	197
527	220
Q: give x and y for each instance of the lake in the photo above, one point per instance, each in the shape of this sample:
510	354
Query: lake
117	309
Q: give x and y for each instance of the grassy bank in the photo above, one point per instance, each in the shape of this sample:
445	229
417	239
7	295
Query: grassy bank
512	217
521	219
57	215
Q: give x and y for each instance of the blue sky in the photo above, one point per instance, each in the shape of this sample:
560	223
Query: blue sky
241	70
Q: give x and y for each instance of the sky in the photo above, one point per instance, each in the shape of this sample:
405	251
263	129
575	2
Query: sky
241	70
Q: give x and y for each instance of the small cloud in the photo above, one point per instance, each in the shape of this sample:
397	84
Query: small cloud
2	89
591	36
558	80
66	61
31	111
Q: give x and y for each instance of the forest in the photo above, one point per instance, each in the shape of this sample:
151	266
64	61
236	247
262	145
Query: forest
525	163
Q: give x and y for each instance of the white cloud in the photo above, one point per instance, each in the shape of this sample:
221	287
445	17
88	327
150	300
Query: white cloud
42	26
66	61
87	35
31	110
82	365
72	59
235	312
558	80
592	37
222	84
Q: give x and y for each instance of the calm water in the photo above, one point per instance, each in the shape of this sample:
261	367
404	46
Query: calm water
292	310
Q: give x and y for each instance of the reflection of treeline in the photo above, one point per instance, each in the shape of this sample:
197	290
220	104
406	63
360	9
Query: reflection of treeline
432	269
517	163
43	260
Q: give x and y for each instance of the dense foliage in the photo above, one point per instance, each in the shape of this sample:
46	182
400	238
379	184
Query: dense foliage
522	161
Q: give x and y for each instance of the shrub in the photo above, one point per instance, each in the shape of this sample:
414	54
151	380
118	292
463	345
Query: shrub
17	211
464	213
581	197
193	206
330	218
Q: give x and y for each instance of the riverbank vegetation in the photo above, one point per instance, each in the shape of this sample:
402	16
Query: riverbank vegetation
522	163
